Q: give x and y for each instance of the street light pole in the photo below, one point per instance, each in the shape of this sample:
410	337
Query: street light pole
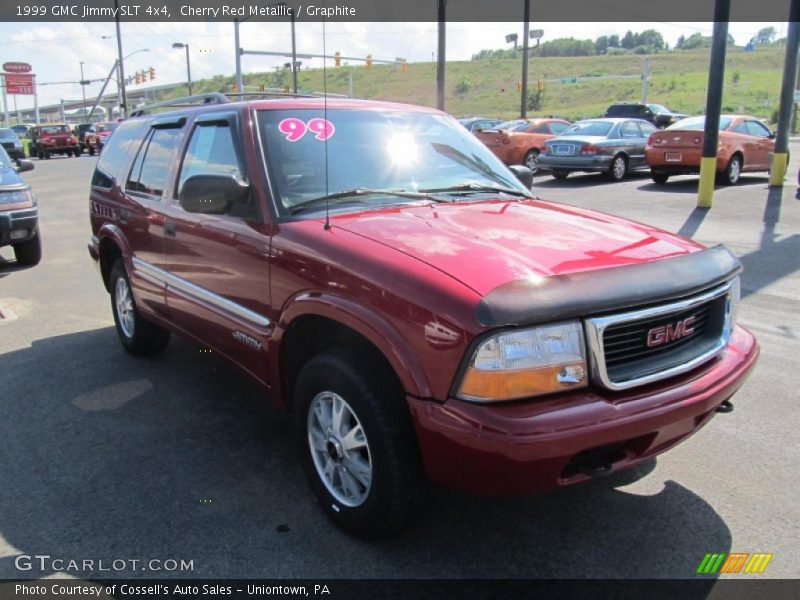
188	66
83	90
294	54
523	110
121	68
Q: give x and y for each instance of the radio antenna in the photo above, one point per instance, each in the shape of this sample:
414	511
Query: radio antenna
325	116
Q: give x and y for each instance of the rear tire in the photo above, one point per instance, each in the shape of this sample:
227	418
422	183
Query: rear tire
560	174
30	251
659	178
365	471
138	336
531	160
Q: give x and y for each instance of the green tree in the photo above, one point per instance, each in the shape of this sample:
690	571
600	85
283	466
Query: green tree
765	36
629	41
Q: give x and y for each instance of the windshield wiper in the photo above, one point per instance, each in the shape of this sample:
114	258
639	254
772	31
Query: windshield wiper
349	194
477	187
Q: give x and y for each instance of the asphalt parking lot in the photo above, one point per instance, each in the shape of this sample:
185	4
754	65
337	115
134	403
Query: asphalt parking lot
106	456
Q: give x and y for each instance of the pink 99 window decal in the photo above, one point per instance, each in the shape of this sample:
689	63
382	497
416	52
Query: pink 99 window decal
294	129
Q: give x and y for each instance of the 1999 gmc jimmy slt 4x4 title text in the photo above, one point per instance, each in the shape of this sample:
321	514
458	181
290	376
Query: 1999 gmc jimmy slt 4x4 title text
398	290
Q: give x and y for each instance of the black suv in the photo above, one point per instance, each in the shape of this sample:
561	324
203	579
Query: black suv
19	213
658	115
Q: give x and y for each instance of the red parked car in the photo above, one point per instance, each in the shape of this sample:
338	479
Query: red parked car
390	283
521	142
104	130
745	145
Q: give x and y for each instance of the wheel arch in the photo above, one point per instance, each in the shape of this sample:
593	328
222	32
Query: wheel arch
312	323
112	245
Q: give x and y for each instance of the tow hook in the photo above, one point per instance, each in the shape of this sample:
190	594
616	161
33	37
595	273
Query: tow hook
725	407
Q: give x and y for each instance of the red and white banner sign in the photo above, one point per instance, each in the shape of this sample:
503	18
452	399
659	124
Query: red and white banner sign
20	84
16	67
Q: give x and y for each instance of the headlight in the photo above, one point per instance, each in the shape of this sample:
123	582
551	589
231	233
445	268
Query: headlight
20	197
526	363
732	308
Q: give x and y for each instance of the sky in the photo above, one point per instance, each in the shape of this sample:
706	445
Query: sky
55	50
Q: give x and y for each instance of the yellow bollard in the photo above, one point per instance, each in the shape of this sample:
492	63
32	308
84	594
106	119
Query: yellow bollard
705	190
780	164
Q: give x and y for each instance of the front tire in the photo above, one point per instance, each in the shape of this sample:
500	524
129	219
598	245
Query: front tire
357	444
138	336
731	174
560	174
531	160
30	251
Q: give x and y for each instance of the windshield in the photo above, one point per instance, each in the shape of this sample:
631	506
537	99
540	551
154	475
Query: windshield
658	109
7	135
700	123
598	128
55	129
515	125
378	150
5	161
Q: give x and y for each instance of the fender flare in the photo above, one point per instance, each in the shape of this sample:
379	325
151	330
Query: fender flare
361	319
109	231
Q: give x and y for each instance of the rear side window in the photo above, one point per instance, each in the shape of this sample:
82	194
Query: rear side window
629	129
757	129
150	172
112	159
647	128
558	128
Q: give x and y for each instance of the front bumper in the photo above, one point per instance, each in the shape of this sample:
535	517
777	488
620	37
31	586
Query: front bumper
529	446
24	219
575	163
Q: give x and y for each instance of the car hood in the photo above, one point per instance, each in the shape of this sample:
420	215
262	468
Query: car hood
10	180
486	244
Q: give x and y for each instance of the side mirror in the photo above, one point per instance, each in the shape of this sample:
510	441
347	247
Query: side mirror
212	194
24	165
772	135
524	174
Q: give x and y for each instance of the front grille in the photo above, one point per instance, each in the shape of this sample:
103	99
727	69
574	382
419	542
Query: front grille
647	345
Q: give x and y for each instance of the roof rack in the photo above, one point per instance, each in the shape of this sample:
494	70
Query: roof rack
183	102
270	94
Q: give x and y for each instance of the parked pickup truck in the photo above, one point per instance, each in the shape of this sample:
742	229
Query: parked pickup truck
400	292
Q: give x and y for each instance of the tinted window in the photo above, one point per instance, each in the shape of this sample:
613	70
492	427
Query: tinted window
647	128
541	128
697	123
115	152
151	168
624	110
756	128
211	151
629	129
558	128
598	128
741	128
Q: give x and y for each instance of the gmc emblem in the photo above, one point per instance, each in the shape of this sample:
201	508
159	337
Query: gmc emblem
658	336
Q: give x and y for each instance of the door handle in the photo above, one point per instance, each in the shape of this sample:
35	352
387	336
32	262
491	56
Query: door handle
169	228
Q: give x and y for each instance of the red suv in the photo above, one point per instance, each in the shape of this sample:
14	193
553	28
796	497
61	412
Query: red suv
395	287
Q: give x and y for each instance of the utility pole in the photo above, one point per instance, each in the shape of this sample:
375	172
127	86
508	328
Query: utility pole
716	78
440	59
645	78
780	159
120	67
238	55
7	121
523	110
83	89
294	54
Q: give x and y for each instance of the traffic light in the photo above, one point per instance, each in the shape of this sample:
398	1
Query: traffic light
262	88
519	86
138	77
369	61
152	73
541	85
337	59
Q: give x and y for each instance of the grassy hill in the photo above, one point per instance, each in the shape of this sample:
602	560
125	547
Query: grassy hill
678	80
